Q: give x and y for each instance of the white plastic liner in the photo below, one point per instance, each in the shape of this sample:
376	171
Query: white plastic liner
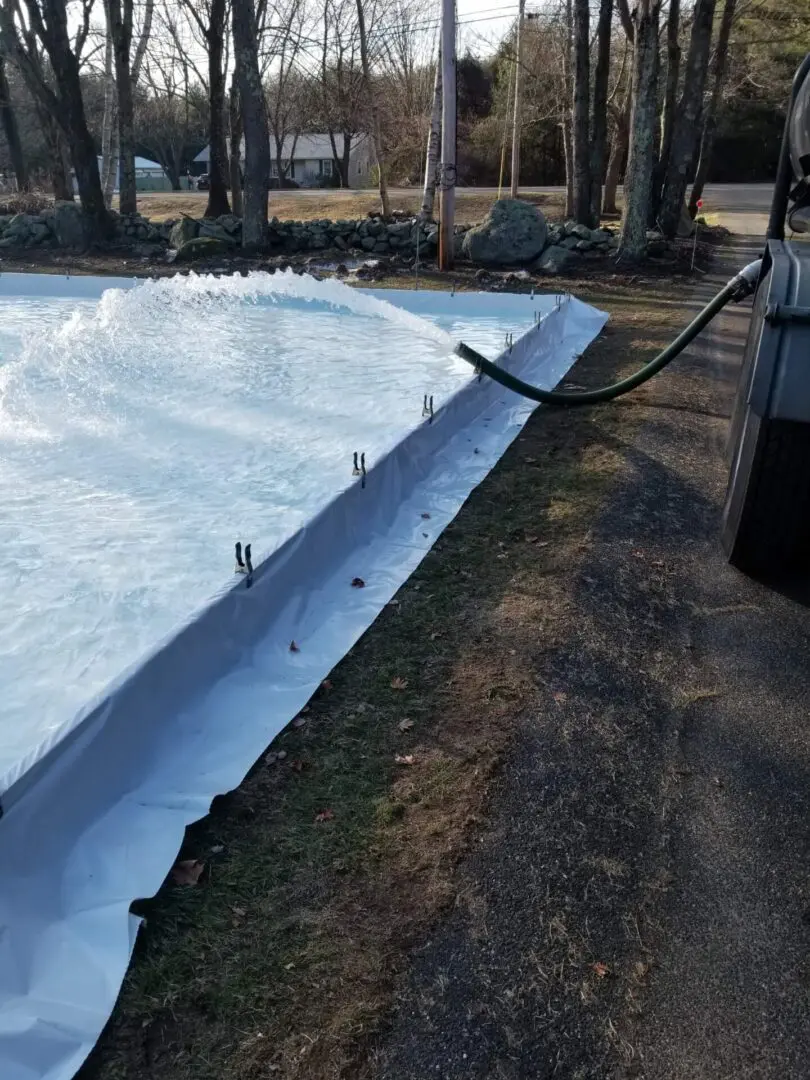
97	821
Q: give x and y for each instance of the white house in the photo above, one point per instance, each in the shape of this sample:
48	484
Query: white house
149	176
306	159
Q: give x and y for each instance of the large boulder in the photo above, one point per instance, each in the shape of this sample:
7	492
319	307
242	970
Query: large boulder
512	232
186	229
201	247
555	260
70	225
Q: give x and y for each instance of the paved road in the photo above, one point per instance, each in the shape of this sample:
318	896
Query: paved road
742	208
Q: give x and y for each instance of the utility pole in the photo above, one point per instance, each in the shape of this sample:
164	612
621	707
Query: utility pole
447	191
516	115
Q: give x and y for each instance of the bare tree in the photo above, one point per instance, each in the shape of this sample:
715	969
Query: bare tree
208	20
235	155
620	115
686	131
44	23
671	89
11	130
433	145
376	130
342	90
254	113
580	127
568	149
718	76
120	82
638	179
285	91
599	114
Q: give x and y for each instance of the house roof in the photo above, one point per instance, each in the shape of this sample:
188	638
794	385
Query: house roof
306	147
143	163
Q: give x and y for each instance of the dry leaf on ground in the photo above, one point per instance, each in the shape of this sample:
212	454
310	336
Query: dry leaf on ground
325	815
187	871
398	684
600	969
326	684
405	759
560	696
405	725
299	721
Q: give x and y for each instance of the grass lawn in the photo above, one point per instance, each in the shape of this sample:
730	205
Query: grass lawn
329	865
306	206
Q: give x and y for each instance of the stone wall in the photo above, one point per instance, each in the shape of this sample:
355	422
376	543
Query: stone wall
63	227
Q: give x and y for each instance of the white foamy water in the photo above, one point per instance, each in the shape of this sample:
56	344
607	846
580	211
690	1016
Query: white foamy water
143	434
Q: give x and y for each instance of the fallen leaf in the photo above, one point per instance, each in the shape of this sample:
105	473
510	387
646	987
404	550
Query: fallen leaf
271	758
289	967
325	815
294	647
405	725
358	583
434	635
404	759
282	754
239	912
398	684
299	721
560	697
299	764
326	684
600	969
426	516
187	871
217	849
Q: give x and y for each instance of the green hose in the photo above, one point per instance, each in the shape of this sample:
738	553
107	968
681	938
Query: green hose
740	286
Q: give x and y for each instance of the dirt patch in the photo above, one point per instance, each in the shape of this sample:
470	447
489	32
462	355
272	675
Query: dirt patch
310	206
329	863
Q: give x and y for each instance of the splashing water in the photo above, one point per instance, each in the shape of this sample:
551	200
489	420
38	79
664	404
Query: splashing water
140	436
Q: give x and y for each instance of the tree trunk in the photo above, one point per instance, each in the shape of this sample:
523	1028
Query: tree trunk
109	120
618	149
568	154
582	82
55	142
710	113
376	130
120	18
254	118
12	131
110	177
217	148
433	146
671	91
566	112
599	121
346	159
638	176
235	158
685	133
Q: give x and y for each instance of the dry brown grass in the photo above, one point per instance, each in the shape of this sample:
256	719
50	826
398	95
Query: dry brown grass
285	959
309	206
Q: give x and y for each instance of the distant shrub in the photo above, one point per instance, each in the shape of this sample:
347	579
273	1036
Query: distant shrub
25	202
